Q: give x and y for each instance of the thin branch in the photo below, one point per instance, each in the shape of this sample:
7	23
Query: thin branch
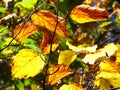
47	64
26	19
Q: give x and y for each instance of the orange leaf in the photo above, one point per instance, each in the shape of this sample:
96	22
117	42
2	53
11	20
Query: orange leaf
57	72
48	20
25	31
85	13
46	41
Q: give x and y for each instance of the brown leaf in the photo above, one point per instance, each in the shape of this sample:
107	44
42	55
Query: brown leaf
25	31
48	20
84	13
57	72
46	41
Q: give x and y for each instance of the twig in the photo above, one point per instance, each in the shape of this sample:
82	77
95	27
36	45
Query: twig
27	19
47	64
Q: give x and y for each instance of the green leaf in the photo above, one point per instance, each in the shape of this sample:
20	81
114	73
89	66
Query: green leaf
29	4
2	9
27	82
3	30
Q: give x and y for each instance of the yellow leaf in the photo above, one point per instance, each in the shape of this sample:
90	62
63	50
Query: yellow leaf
85	13
81	48
27	63
66	57
110	49
102	84
25	31
71	87
48	20
46	41
118	54
91	58
57	72
109	71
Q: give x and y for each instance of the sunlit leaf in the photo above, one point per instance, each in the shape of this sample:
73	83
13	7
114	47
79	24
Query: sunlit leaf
57	72
71	87
118	54
21	32
46	41
66	57
109	71
91	58
29	4
27	63
110	49
48	20
102	84
81	48
85	13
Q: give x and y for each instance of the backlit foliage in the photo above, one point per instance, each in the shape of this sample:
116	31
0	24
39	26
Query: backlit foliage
59	45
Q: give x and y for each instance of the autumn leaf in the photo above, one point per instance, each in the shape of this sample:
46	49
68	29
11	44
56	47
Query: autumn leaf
91	58
117	54
57	72
71	87
109	71
84	13
46	41
27	63
48	20
82	48
66	57
20	33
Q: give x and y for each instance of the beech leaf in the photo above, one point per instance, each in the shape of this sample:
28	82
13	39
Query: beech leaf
91	58
27	63
71	87
82	48
109	71
48	20
66	57
25	31
46	41
85	13
57	72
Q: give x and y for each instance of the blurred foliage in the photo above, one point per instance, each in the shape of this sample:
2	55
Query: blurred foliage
92	33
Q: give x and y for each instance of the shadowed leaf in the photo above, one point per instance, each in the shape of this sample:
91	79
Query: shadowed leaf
66	57
46	41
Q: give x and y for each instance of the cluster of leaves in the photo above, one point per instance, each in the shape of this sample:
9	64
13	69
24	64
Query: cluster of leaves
59	44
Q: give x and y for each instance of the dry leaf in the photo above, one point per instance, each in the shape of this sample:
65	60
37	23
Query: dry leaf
66	57
84	13
71	87
25	31
27	63
57	72
46	41
48	20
